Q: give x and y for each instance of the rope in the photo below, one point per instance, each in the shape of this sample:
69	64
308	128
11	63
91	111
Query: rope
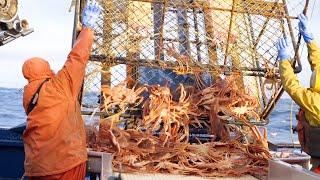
291	126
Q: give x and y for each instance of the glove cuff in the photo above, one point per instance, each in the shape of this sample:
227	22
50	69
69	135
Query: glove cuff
88	22
283	57
308	37
88	26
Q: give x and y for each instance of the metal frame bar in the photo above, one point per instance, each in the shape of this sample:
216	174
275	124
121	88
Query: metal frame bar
197	5
296	56
106	74
158	28
183	31
255	62
229	33
264	27
77	19
131	70
172	65
255	44
196	28
212	49
76	22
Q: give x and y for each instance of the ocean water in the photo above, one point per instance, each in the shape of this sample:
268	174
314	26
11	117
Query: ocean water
11	109
12	114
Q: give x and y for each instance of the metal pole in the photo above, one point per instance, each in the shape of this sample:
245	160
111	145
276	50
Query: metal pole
183	31
296	53
195	20
76	22
76	32
212	46
159	10
295	45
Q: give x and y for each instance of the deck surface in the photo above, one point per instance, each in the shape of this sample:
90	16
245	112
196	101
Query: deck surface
176	177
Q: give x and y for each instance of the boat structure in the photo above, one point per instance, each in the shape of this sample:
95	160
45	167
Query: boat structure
11	27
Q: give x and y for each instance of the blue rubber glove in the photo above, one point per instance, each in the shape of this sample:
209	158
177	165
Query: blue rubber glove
283	50
304	28
91	14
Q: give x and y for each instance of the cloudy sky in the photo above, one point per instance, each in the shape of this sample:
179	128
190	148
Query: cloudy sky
51	40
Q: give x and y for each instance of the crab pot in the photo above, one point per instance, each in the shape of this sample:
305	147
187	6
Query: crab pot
168	42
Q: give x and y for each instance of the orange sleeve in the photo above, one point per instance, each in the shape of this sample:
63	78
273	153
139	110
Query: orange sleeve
72	74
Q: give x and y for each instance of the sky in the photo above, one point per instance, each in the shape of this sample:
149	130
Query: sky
51	40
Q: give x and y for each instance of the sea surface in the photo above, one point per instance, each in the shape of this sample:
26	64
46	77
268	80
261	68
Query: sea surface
12	114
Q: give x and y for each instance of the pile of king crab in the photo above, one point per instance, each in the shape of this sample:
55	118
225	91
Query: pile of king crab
159	142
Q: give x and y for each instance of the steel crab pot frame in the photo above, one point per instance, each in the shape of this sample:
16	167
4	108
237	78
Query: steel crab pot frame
168	41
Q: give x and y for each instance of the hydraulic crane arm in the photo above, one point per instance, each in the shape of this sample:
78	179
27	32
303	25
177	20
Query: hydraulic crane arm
11	27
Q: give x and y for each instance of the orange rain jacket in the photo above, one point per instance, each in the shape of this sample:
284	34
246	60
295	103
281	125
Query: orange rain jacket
54	139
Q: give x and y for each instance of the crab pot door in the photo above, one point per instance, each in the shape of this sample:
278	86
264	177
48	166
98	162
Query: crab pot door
168	42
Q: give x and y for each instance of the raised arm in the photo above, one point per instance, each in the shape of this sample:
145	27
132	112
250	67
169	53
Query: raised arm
72	74
313	50
313	55
74	68
302	96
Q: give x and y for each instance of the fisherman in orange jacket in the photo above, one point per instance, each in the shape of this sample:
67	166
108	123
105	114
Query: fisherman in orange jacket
54	139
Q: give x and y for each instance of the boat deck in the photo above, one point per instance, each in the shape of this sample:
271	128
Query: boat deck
176	177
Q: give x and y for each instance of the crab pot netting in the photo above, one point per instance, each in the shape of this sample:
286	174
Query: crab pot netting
166	42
